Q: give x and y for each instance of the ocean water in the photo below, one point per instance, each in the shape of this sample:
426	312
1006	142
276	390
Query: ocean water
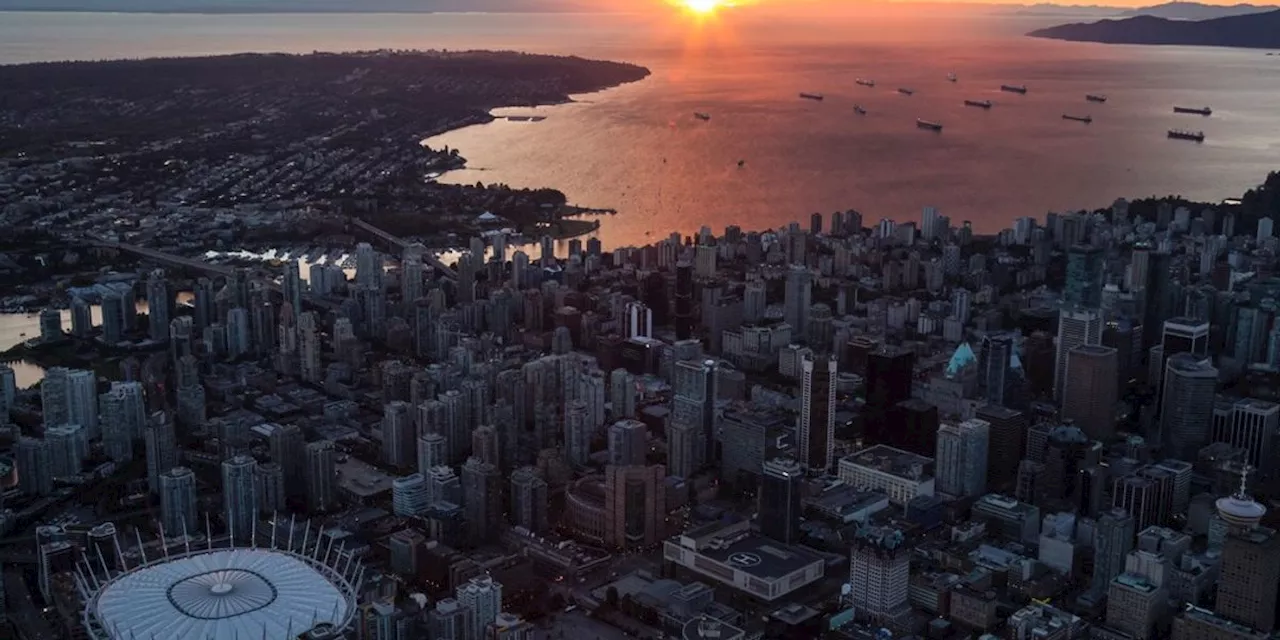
639	148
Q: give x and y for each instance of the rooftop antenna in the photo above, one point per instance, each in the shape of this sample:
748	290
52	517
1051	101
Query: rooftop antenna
288	631
292	519
208	531
275	526
231	524
1244	481
186	536
306	537
253	534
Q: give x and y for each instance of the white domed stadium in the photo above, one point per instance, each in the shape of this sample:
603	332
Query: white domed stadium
218	592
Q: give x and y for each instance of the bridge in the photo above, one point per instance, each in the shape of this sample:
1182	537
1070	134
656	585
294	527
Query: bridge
167	258
172	260
398	243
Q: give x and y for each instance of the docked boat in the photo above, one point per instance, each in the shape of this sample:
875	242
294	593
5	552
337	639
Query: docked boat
984	104
1014	88
1199	111
1093	97
1183	134
952	77
1084	119
906	92
865	83
702	116
931	126
857	108
812	96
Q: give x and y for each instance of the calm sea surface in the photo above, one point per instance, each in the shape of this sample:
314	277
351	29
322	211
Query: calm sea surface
639	148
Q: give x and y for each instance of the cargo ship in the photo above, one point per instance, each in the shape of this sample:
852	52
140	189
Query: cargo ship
1084	119
931	126
1014	88
812	96
865	83
1182	134
1200	111
906	92
857	108
985	104
1093	97
702	116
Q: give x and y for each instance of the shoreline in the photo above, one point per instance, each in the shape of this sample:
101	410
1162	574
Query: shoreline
568	214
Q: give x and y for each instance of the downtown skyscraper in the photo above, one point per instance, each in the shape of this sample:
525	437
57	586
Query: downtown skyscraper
239	496
815	429
1076	327
961	462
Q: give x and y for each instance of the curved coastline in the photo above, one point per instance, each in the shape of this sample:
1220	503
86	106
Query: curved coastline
570	224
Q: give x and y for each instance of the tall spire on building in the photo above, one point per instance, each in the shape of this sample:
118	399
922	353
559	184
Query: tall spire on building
1239	509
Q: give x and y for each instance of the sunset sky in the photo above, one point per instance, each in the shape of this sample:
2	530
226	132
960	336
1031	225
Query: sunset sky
827	6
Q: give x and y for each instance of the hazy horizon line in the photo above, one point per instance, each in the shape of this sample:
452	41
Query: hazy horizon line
232	7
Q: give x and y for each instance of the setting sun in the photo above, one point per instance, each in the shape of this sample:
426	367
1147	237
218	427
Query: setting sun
703	6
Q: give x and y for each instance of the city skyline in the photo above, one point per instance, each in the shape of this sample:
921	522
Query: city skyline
715	320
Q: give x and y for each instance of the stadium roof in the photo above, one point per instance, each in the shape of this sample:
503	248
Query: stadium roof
223	593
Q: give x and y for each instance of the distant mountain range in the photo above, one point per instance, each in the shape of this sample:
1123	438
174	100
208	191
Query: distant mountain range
1198	11
1257	30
